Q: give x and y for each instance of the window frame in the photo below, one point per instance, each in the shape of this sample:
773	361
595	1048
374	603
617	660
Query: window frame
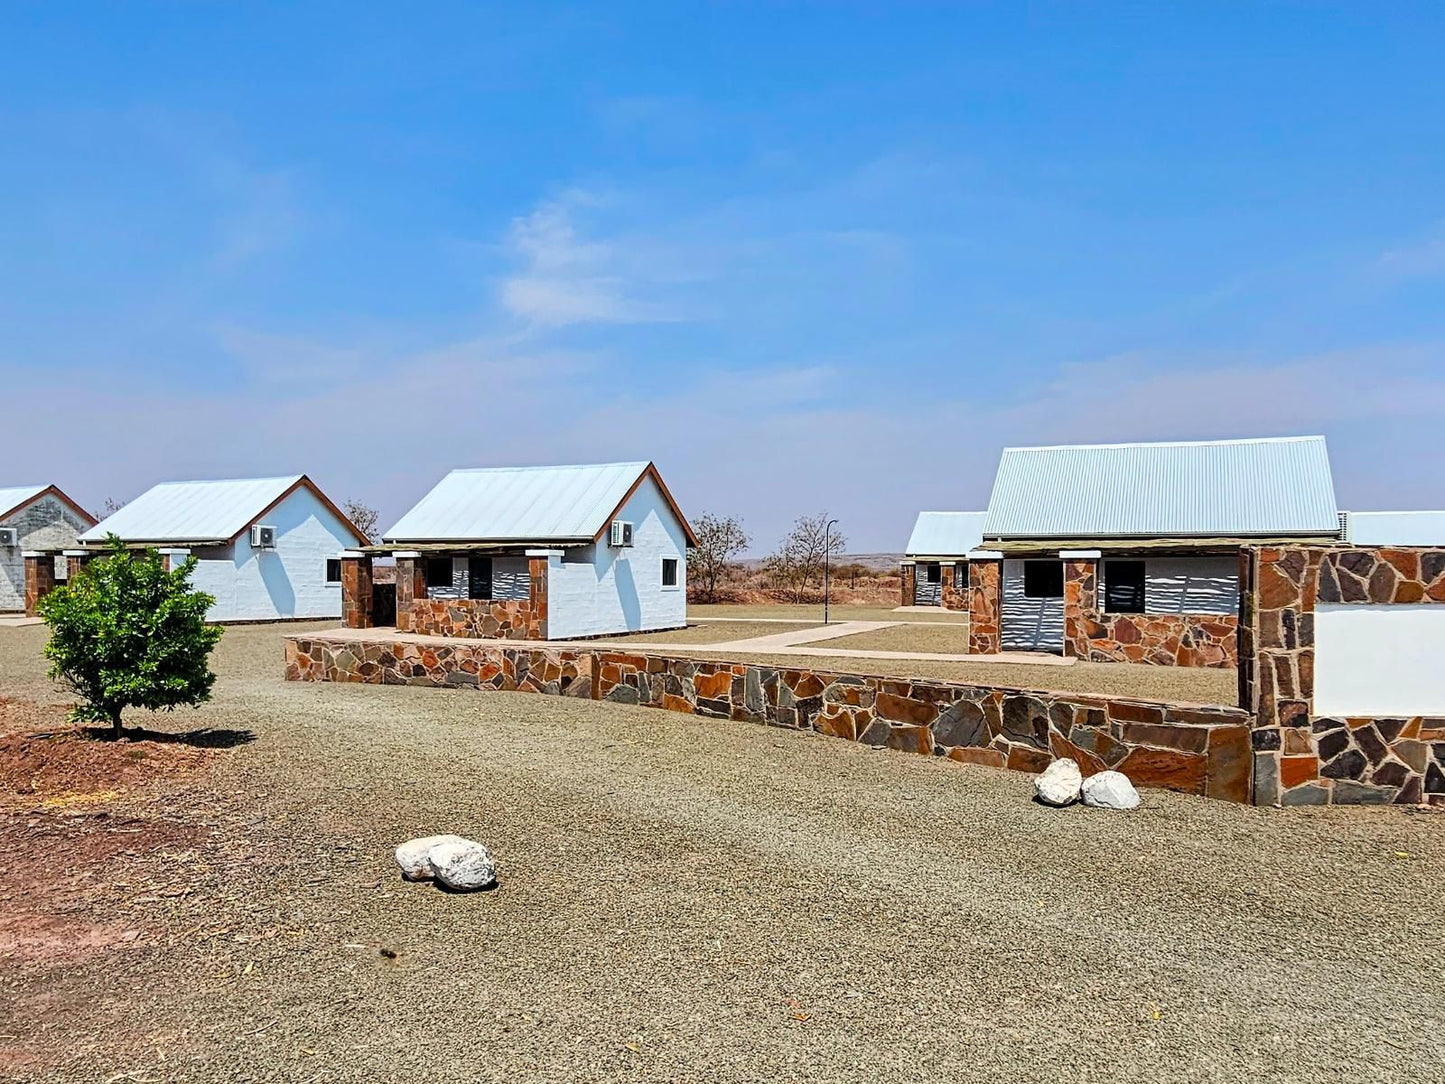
1039	567
433	562
676	583
1143	585
330	561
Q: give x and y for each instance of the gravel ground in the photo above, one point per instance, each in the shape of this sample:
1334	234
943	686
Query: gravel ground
814	613
691	900
916	636
716	633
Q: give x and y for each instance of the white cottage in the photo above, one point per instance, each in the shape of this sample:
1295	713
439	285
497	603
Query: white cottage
935	563
536	553
39	521
268	549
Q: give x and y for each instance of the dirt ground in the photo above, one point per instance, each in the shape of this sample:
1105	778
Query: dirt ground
681	899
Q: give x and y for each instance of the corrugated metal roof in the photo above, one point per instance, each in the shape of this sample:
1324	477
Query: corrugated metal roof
524	504
1397	528
12	497
1264	487
945	534
192	511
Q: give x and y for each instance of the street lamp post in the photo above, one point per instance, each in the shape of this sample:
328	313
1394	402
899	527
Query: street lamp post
827	547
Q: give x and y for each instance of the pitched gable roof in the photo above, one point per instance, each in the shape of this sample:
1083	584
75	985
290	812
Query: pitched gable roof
14	498
527	504
945	534
1227	488
214	511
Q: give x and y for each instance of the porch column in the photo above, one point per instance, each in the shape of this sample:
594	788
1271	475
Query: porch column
908	572
410	586
1081	599
538	564
75	560
356	611
39	579
985	602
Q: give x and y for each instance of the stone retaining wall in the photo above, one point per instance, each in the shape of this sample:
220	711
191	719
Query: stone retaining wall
1301	759
477	619
1197	750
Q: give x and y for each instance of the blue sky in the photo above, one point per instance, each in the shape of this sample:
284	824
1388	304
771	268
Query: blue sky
802	256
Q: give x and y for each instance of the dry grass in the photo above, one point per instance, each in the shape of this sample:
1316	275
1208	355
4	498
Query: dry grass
915	636
810	613
705	633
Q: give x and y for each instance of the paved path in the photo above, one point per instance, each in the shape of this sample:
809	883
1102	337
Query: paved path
17	621
779	640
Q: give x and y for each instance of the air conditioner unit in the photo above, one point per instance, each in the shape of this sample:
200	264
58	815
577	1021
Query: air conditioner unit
263	538
9	537
621	533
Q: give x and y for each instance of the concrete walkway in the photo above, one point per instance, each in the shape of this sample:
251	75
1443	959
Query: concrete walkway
778	640
17	621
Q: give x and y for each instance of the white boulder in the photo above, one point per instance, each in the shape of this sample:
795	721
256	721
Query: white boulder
1059	783
1110	790
411	856
463	866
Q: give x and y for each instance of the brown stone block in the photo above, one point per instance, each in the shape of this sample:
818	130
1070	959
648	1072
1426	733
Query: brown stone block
677	703
990	758
1185	739
1023	759
1296	770
1128	711
905	709
838	724
1165	768
713	686
1062	748
910	739
1276	590
1230	764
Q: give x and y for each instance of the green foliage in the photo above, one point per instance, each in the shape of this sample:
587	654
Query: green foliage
124	632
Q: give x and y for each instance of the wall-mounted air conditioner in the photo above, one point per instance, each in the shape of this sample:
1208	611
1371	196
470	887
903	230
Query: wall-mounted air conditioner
263	538
621	533
9	538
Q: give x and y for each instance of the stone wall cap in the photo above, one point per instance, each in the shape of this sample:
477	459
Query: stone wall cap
985	555
406	553
354	554
544	553
1081	555
37	553
76	553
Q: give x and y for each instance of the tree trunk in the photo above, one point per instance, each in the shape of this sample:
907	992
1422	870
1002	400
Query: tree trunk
115	727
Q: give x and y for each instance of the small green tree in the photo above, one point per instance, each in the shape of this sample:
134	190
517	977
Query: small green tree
125	632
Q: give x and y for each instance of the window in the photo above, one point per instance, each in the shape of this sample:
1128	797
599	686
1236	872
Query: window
479	571
669	572
333	570
960	575
934	573
1043	579
1124	587
439	572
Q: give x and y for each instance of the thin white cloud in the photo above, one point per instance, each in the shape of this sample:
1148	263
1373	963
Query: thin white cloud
1423	256
566	279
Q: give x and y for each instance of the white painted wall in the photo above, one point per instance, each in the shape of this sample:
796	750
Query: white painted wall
44	524
604	590
287	582
1379	660
1029	624
1186	585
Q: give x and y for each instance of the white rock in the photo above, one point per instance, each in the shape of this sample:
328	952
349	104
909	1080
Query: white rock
1059	783
411	856
463	866
1110	790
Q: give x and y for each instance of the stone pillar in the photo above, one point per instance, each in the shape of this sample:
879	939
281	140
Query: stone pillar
75	560
410	586
985	603
39	580
1081	599
356	611
1276	661
537	568
908	573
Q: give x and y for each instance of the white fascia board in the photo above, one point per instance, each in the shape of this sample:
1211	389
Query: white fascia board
985	555
544	553
1080	555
